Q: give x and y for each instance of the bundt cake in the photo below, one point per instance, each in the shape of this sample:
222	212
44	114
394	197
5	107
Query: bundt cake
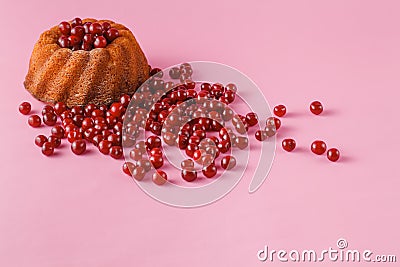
86	61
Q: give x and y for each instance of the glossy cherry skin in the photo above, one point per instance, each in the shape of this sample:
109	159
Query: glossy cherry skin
65	28
188	175
78	147
117	109
40	140
54	140
318	147
116	152
333	154
273	121
135	154
96	28
145	164
138	173
157	161
100	42
288	144
78	31
111	34
159	177
280	110
316	107
25	108
210	171
59	108
104	147
261	135
251	118
228	162
34	121
152	142
76	22
64	42
127	168
48	149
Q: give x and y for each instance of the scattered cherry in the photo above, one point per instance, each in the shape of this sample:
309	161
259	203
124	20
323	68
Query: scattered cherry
25	108
40	140
48	149
316	107
228	162
288	144
333	154
78	146
34	121
54	140
127	168
116	152
49	119
280	110
210	171
318	147
189	175
159	177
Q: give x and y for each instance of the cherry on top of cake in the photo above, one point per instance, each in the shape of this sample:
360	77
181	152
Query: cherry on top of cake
86	36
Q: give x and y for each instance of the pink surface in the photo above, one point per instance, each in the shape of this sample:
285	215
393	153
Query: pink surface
82	211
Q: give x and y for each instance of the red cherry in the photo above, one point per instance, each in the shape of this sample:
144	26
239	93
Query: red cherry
49	119
114	139
100	42
73	135
116	152
64	42
251	118
111	34
76	22
78	146
273	121
78	31
59	108
138	173
128	167
145	164
54	140
152	142
157	161
228	162
73	40
106	25
86	26
58	131
40	140
210	171
280	110
34	121
104	147
96	28
25	108
116	109
65	28
318	147
48	149
316	107
288	144
86	46
47	109
159	177
189	175
333	154
124	100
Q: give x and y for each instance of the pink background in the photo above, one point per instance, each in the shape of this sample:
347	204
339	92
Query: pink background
82	211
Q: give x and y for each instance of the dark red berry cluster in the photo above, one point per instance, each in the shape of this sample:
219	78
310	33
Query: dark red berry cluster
99	125
317	147
86	36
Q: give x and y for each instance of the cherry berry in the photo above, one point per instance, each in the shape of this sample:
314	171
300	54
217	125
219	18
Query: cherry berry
288	144
189	175
65	28
40	140
228	162
25	108
316	107
100	42
48	149
333	154
318	147
78	146
34	121
210	171
128	167
116	152
159	177
280	110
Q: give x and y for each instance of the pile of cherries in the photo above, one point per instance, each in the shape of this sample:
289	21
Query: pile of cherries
190	116
86	36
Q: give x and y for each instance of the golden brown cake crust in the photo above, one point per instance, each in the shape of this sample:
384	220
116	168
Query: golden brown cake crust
98	76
